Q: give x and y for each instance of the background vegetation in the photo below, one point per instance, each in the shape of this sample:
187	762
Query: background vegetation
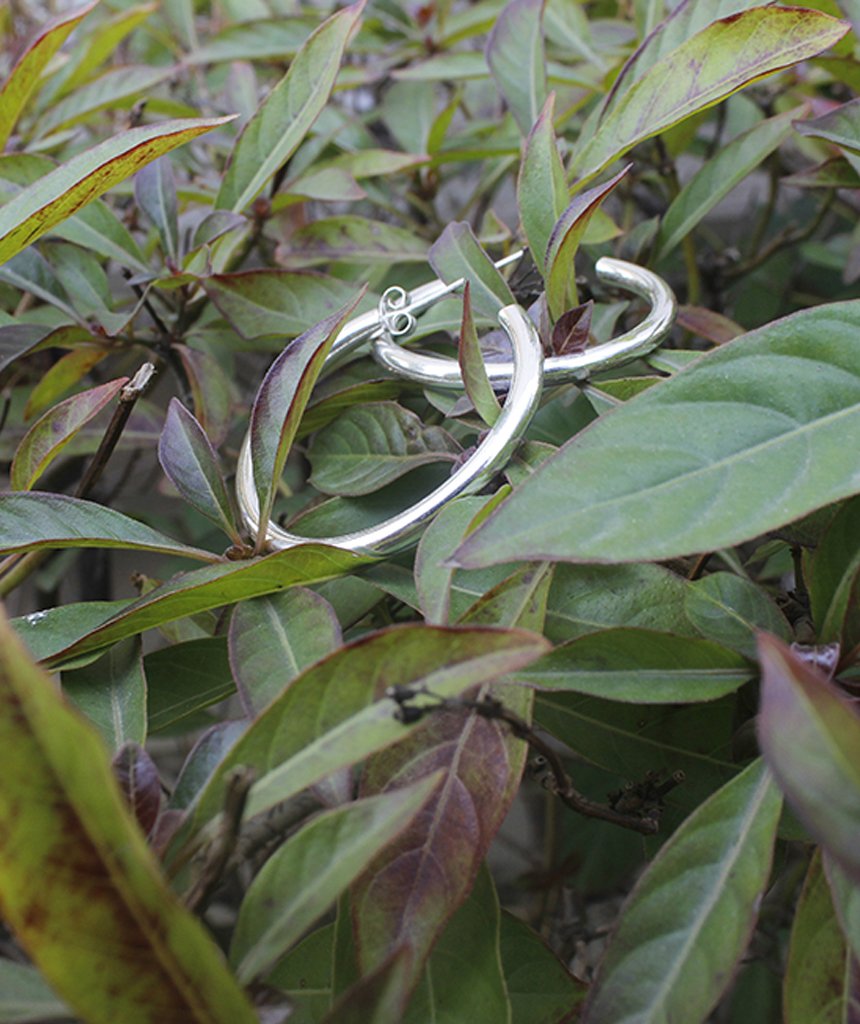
185	187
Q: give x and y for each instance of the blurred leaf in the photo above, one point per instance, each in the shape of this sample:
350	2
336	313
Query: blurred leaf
211	392
205	756
16	340
540	987
351	239
457	253
517	61
39	520
730	609
373	444
541	185
24	76
818	974
56	196
280	402
652	481
189	460
474	373
50	434
707	324
264	39
834	572
690	916
188	593
82	891
332	715
274	638
67	371
25	998
327	184
137	775
564	241
305	875
846	902
640	666
287	113
713	64
116	88
840	126
281	302
111	692
461	987
155	193
86	283
718	176
810	736
186	678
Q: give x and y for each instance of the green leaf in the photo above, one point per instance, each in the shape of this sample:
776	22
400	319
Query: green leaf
331	715
39	520
81	889
118	88
540	988
279	302
50	434
61	193
351	239
817	983
516	58
274	638
730	609
67	371
188	593
25	998
48	631
184	679
809	734
702	461
457	253
280	402
111	692
840	126
718	61
478	387
640	666
155	192
719	175
305	876
25	75
371	445
834	572
846	903
286	114
688	920
563	242
188	458
541	185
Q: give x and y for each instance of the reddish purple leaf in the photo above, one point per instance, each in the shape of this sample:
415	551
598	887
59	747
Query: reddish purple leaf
188	458
809	734
705	323
280	402
138	779
571	330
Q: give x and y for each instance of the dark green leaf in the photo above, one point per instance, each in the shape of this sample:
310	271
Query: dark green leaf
540	988
730	609
474	373
834	571
111	692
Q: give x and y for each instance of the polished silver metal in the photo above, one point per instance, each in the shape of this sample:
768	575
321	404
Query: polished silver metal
444	373
491	455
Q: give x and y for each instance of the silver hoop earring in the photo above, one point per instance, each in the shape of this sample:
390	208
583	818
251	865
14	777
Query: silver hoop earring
491	455
444	373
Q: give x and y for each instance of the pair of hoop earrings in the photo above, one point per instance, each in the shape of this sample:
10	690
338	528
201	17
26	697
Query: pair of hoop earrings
524	377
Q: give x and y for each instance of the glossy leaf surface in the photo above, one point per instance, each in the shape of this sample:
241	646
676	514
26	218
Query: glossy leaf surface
56	196
305	876
82	891
44	441
651	480
719	60
810	736
689	918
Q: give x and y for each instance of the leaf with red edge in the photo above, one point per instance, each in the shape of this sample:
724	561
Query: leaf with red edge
561	248
57	195
411	891
138	779
478	386
81	890
188	458
28	69
280	402
50	434
809	734
571	330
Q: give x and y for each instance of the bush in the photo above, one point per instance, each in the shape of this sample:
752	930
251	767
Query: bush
638	639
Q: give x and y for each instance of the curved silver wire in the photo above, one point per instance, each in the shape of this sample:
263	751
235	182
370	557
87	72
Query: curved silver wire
444	373
491	455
